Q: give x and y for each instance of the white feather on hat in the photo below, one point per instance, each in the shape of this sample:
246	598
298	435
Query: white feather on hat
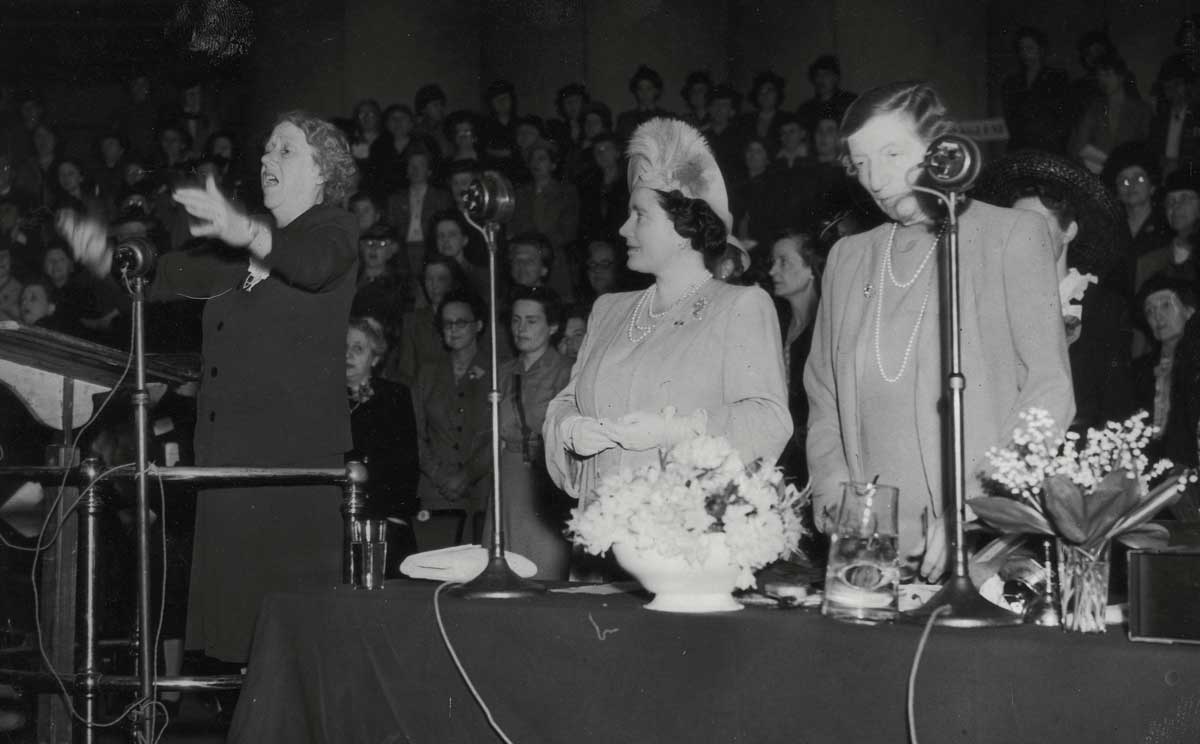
669	154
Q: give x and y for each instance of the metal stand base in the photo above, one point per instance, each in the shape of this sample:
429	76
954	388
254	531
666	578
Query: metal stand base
968	609
497	581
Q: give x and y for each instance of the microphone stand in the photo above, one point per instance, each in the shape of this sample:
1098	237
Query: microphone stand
967	607
498	580
145	717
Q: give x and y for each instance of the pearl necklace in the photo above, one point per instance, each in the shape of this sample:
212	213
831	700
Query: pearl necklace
638	332
886	266
888	259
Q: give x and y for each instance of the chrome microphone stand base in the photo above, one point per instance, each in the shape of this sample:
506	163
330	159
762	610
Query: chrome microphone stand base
498	581
968	608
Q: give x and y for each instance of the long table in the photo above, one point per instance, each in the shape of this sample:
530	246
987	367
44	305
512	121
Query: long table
344	666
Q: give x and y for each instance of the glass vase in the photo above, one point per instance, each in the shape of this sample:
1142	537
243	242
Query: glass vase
1083	587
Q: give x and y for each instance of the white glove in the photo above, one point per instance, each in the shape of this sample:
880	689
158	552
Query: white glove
88	238
643	430
585	436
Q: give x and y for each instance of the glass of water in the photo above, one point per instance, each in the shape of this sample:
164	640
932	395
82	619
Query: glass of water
862	578
368	553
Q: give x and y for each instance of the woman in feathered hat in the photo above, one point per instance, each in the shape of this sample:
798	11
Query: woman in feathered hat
875	377
689	355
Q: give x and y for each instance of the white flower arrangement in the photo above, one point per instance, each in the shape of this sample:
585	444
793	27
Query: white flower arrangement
699	488
1086	496
1040	450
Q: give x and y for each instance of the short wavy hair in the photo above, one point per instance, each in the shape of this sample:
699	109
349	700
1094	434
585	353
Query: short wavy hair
917	98
695	221
375	334
331	152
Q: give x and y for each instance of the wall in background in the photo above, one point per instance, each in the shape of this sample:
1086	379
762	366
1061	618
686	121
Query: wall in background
326	54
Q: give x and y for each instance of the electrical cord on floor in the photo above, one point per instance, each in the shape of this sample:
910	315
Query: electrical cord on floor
912	675
437	611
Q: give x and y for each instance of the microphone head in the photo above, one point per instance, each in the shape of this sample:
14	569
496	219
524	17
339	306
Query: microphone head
135	256
490	198
953	162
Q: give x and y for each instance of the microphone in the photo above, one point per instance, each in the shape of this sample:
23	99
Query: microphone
952	162
490	198
135	256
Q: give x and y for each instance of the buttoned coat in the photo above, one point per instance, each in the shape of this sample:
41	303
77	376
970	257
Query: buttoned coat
1014	349
273	393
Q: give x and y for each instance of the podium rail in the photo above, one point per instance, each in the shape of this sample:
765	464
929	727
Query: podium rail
86	681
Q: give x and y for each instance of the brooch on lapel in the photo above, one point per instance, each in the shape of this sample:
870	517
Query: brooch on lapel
697	311
867	290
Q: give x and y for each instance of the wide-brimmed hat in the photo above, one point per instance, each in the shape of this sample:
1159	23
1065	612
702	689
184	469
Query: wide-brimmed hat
1103	233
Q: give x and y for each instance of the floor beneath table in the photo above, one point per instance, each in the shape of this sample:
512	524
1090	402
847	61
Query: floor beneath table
196	722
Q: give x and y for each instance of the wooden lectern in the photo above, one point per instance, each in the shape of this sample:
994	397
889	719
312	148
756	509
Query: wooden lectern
57	377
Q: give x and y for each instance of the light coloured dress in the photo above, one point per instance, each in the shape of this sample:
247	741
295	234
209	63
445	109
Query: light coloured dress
719	350
1014	354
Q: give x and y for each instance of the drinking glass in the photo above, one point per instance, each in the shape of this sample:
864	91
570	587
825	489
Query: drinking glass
863	575
368	553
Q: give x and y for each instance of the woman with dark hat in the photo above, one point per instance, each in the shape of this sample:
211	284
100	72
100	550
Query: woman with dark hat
646	85
1131	172
723	133
501	100
1175	130
1087	241
766	95
1177	255
567	129
695	98
464	129
875	377
430	107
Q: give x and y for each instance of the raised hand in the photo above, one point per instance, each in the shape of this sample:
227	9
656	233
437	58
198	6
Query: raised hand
88	238
218	217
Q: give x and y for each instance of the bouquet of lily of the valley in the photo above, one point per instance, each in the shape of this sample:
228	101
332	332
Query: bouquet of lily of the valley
1085	491
700	487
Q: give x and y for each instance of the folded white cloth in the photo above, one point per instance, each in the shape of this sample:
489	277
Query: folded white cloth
460	563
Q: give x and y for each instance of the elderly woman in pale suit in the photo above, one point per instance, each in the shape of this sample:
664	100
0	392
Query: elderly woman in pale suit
690	355
874	375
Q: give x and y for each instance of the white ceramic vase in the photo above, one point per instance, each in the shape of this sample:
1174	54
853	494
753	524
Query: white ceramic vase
680	586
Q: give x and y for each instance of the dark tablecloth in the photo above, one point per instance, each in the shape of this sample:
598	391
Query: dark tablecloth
353	666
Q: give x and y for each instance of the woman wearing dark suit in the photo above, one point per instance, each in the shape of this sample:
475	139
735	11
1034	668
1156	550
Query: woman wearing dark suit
273	389
454	427
384	433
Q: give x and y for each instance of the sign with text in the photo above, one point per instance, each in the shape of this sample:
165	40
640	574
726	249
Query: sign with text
984	130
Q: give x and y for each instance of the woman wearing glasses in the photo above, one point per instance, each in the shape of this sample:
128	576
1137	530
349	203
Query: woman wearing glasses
451	405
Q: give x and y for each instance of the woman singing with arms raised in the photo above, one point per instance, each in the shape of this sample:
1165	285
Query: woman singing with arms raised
690	355
273	392
875	377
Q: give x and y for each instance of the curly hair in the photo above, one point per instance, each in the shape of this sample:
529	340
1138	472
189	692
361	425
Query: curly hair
331	152
696	221
373	330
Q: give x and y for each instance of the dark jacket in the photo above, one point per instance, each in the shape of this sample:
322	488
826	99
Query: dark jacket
1100	364
1037	114
385	438
273	388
